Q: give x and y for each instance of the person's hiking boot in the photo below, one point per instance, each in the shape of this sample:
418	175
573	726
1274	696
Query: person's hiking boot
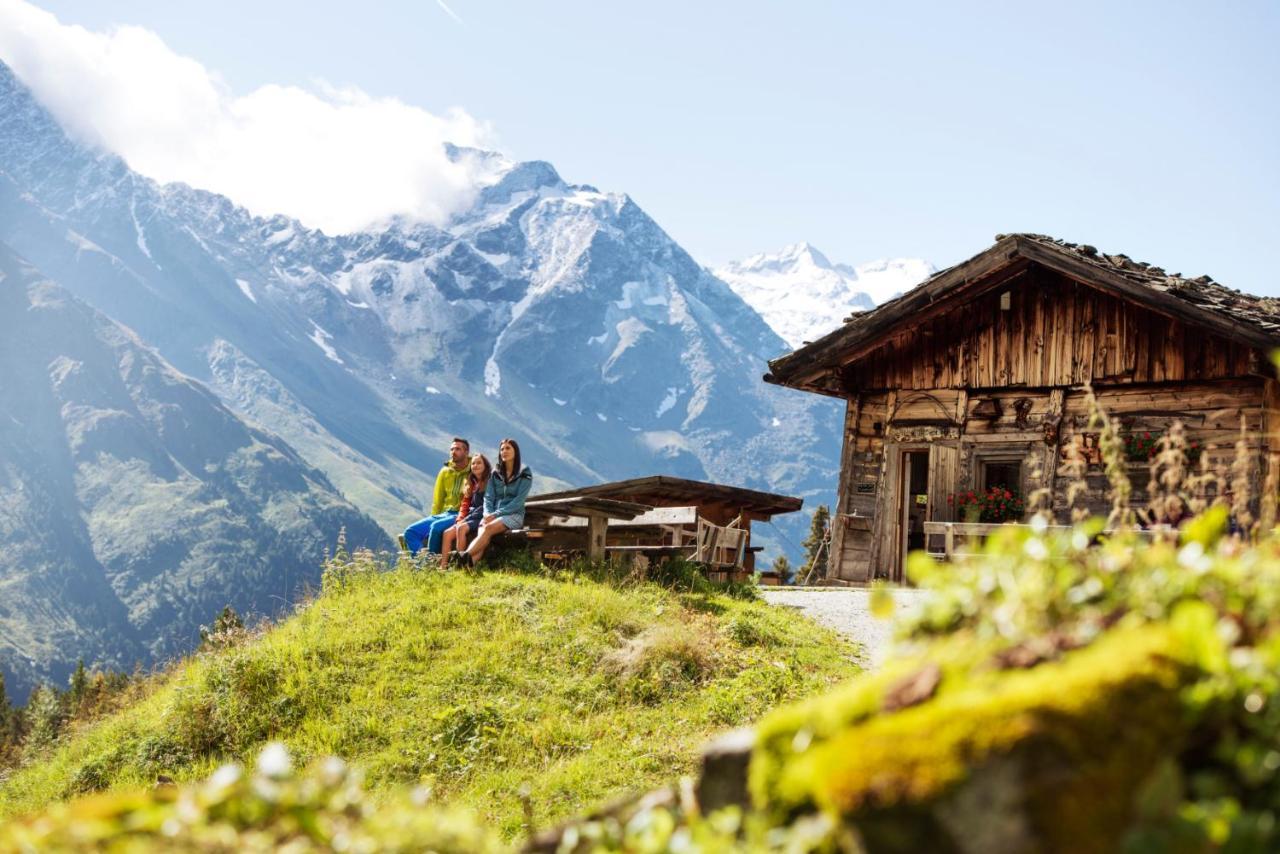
404	545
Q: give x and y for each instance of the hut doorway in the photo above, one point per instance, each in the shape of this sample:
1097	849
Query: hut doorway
925	479
915	499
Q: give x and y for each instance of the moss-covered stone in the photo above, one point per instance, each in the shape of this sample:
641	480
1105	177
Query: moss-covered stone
1044	759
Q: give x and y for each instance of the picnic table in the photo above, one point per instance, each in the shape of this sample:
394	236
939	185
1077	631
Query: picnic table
539	512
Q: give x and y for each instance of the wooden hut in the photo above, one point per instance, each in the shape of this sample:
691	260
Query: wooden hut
977	378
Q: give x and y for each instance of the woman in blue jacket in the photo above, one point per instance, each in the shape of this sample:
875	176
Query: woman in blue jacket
503	500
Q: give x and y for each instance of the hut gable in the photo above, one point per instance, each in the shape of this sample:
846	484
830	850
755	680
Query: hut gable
1035	311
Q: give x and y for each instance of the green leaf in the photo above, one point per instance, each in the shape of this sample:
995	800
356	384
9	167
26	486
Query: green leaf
1207	528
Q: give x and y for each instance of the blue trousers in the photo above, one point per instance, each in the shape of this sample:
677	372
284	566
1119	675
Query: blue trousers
429	530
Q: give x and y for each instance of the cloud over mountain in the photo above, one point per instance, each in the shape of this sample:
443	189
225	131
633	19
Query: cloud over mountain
173	119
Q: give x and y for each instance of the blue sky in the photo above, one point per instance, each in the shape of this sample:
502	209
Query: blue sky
870	130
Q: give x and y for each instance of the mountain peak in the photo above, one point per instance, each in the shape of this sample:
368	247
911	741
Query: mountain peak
803	295
790	258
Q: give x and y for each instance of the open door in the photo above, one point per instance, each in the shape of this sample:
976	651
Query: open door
920	480
944	468
913	508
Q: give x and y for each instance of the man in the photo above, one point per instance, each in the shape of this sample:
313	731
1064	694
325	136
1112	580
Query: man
444	504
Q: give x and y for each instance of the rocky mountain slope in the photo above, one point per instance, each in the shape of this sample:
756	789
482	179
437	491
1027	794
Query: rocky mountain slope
803	295
133	503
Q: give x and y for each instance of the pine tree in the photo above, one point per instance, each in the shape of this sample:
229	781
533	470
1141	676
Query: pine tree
813	544
44	718
77	685
8	723
782	566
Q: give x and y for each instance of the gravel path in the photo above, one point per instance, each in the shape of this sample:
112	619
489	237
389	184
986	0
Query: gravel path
848	612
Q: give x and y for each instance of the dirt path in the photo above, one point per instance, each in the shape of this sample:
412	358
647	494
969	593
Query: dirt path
848	612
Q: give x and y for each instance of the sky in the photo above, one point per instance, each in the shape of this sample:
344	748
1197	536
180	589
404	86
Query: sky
871	130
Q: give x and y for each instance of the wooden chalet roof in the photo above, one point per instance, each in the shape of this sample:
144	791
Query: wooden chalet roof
665	491
1201	302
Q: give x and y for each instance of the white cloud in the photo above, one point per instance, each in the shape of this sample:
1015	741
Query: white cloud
335	158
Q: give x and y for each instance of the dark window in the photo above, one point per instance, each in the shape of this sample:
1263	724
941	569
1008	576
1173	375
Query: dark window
1006	473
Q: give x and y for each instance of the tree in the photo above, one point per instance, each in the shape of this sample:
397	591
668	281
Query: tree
44	718
227	629
815	552
8	724
77	685
782	566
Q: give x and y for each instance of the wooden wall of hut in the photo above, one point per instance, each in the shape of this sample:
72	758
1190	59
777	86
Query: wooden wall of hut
868	494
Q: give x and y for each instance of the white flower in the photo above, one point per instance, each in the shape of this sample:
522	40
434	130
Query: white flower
225	776
273	761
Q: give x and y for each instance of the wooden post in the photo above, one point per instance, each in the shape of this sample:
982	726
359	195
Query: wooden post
597	525
950	548
845	486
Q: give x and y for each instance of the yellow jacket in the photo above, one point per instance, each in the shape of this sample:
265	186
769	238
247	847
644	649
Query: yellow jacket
449	485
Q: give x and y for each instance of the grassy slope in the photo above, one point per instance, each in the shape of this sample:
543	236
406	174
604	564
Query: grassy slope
477	685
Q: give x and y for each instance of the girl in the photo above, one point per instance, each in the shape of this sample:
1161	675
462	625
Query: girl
503	500
470	511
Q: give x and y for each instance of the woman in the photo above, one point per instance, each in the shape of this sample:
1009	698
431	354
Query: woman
503	500
470	510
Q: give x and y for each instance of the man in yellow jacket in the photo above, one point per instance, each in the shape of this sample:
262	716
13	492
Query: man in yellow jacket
444	504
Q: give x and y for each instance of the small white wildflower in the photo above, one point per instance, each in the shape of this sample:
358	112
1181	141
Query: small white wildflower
1253	703
1039	524
1035	549
1228	631
332	771
1192	556
226	776
274	761
1079	541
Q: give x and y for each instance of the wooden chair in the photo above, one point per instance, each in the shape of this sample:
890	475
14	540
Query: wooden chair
720	547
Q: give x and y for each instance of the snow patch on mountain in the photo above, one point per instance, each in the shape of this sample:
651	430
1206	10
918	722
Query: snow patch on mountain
321	338
803	295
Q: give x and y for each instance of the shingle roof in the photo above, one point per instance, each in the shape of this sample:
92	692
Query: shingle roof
1201	301
1202	291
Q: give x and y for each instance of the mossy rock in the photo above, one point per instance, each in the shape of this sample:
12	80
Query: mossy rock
1049	758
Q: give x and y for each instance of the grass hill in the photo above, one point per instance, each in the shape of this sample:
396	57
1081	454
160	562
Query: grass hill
474	685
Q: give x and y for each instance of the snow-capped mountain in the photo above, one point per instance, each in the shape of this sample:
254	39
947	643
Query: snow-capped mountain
550	312
803	296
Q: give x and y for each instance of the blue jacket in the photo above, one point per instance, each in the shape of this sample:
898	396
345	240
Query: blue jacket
507	499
